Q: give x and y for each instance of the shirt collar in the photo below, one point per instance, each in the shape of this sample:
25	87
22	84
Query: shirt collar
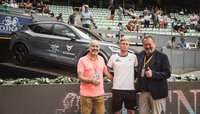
91	58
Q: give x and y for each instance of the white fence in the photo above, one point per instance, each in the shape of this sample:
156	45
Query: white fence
183	58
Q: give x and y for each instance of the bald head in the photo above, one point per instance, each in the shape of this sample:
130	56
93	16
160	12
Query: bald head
94	42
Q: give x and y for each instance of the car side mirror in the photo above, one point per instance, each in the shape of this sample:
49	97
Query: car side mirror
71	35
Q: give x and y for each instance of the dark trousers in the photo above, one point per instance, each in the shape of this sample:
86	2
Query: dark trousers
146	24
87	25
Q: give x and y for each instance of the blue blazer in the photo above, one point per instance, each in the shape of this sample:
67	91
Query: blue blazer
160	67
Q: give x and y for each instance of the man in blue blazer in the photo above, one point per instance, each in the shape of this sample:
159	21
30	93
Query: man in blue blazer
153	72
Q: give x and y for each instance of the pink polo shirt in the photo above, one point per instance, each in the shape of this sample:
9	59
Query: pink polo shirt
89	67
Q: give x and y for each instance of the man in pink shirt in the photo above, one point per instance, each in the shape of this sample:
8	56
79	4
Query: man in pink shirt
90	70
193	19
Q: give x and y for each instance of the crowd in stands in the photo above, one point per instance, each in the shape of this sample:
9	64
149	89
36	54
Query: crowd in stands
155	16
35	7
39	7
158	19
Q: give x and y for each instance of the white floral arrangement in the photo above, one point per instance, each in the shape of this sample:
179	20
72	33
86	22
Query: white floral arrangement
191	78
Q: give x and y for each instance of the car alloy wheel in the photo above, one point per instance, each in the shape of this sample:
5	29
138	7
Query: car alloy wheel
20	55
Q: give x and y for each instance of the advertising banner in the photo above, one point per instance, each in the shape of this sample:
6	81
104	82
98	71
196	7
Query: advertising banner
9	24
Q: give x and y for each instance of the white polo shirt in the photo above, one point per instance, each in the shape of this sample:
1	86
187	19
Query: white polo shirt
123	67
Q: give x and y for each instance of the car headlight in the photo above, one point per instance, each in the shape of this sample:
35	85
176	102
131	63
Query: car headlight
114	49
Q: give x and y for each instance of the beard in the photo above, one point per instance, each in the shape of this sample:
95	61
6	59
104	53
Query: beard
94	52
149	51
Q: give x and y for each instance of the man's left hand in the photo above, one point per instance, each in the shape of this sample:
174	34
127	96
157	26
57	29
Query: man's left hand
148	72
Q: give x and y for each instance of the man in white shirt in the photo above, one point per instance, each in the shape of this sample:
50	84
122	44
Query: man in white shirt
13	4
123	89
171	44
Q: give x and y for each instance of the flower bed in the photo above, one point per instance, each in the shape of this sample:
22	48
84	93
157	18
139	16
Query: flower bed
58	80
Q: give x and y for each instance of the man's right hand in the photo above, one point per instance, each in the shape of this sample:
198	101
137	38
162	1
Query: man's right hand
96	81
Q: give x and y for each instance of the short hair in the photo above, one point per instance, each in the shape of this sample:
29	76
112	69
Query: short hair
124	39
94	41
173	38
149	36
52	14
182	38
109	28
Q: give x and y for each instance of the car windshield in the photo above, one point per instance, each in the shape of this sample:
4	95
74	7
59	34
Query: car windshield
81	33
87	33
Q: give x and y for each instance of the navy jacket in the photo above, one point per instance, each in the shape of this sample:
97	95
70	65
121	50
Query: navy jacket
160	67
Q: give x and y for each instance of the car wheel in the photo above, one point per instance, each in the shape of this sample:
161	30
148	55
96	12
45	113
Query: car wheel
20	55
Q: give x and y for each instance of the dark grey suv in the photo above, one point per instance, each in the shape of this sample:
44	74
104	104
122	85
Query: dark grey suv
55	42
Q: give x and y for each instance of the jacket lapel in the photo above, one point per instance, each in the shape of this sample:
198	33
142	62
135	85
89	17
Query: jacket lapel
140	60
153	60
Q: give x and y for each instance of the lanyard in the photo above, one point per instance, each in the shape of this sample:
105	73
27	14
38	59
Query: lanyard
145	63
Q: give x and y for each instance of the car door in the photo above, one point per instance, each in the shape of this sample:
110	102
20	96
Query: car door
41	38
70	45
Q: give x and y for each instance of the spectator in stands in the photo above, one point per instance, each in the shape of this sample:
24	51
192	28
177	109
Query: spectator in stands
112	9
165	20
183	27
175	22
125	12
177	27
133	15
71	19
198	43
59	17
181	12
198	24
141	19
82	9
152	10
42	4
120	12
131	25
87	17
181	44
186	12
52	16
22	5
5	7
109	35
28	5
145	10
160	19
129	12
46	9
193	19
147	18
155	19
34	5
39	8
171	44
138	26
14	4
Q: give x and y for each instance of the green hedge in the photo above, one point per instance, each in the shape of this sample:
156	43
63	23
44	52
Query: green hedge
65	80
58	80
